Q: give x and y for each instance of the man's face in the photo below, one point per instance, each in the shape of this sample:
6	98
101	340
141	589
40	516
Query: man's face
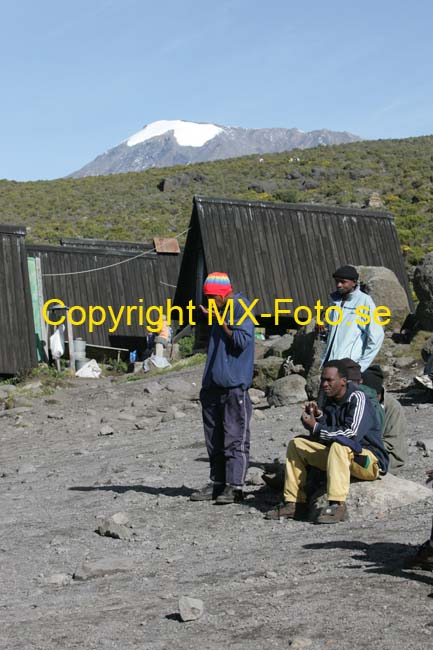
219	301
332	384
344	287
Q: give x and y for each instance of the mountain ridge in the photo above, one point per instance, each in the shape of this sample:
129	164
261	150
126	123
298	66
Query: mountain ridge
167	143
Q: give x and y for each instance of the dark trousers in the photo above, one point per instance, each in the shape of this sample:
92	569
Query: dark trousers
226	422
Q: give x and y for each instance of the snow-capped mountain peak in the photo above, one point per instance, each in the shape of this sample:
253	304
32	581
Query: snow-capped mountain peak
187	134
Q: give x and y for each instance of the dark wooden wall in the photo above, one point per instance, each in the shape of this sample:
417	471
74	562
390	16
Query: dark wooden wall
281	250
17	332
151	277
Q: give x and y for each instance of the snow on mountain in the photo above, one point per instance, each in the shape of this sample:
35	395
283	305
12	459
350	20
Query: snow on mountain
187	134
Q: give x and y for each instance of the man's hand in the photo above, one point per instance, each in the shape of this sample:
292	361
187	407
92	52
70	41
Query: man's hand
204	310
313	409
308	418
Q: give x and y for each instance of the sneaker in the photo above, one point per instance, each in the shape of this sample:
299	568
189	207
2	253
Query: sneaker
423	558
425	381
332	514
288	510
209	493
230	494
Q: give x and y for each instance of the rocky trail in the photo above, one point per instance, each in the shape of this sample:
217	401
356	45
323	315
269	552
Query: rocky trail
93	449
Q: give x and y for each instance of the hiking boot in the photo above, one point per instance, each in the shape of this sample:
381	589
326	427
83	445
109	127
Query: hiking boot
332	514
274	481
288	510
209	493
230	494
423	558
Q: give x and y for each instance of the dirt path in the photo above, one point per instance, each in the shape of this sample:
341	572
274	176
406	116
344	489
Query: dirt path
263	584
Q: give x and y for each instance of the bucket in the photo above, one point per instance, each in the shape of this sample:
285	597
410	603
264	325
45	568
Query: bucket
79	349
79	363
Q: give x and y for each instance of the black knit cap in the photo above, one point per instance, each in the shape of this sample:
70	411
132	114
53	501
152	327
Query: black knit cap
373	377
353	369
346	273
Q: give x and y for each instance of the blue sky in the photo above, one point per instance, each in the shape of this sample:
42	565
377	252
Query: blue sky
79	77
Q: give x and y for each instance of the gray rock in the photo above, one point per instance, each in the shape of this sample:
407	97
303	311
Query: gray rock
308	350
281	347
254	476
33	385
109	528
104	567
190	609
4	394
26	468
266	371
287	390
425	445
256	396
404	362
183	388
385	289
120	518
300	643
106	430
168	417
9	388
58	580
152	387
126	417
367	498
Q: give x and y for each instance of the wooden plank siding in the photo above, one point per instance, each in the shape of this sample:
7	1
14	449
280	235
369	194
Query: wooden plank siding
17	332
152	278
284	250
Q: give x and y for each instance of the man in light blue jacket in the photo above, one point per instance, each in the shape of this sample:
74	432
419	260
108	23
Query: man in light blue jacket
357	335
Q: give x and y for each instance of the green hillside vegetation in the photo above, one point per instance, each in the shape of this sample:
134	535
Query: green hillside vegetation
137	206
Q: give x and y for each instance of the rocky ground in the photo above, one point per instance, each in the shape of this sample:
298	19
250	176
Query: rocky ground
96	448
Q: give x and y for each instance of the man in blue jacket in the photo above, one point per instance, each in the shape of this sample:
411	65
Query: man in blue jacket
361	340
344	440
226	405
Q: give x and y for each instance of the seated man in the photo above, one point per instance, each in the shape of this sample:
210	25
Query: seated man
344	441
394	428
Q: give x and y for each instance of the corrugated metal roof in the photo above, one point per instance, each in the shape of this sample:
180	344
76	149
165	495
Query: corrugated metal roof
284	250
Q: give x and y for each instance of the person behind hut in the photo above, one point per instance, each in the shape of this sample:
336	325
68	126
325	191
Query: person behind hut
344	440
348	338
226	405
162	338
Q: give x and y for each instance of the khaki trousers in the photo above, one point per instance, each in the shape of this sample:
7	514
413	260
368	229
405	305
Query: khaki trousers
336	460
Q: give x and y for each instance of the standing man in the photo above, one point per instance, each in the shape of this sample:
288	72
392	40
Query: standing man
361	343
226	405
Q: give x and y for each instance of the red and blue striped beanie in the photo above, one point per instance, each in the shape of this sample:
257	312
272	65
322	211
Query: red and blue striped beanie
217	284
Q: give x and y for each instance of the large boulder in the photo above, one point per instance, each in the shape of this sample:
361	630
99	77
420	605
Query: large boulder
280	347
385	289
308	350
266	371
375	498
287	390
423	286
